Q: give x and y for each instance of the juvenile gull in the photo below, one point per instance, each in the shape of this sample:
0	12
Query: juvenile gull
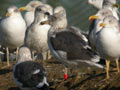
29	75
94	26
67	45
12	30
108	41
36	34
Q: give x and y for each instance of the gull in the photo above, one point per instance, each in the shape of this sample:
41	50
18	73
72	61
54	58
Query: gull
30	8
36	34
94	26
67	45
29	75
108	41
12	30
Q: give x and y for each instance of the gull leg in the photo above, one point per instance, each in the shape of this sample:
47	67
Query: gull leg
8	59
107	70
117	64
17	53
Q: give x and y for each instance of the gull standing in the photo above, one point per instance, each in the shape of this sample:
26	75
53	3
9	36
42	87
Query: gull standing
29	75
108	41
67	44
12	30
36	34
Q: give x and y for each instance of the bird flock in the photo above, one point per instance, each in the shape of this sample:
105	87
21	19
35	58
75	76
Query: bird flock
43	28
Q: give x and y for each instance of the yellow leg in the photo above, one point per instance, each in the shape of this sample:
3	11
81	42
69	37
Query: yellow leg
17	53
117	64
8	61
108	66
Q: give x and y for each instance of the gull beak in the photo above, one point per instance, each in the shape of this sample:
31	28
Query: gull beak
8	14
91	18
102	24
116	5
23	9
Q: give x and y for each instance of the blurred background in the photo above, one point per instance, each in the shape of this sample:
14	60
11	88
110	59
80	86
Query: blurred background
78	11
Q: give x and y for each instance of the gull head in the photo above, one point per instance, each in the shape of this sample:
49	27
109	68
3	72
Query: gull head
103	13
24	54
60	11
58	19
42	13
110	22
31	5
12	11
109	3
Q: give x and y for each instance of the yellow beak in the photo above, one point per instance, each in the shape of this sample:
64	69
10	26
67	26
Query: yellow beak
8	14
91	18
116	5
23	9
102	24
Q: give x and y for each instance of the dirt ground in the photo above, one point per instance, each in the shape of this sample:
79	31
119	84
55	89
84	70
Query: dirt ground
87	79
